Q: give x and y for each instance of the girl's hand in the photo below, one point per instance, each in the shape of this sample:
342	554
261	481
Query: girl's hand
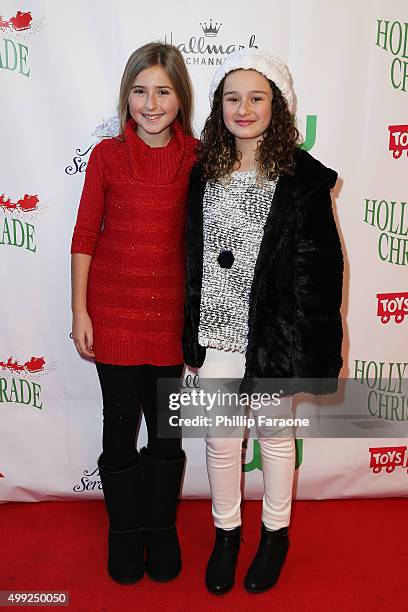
82	334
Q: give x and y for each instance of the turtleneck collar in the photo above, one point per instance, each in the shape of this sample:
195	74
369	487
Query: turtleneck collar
157	165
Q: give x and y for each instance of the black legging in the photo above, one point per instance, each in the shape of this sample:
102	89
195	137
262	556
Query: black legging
126	390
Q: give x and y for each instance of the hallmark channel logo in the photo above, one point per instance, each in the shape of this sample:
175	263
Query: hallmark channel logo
392	306
13	54
388	458
202	50
16	230
210	29
391	218
90	481
388	384
18	383
109	128
392	36
398	140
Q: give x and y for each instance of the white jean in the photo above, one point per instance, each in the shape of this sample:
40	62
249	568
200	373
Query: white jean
224	459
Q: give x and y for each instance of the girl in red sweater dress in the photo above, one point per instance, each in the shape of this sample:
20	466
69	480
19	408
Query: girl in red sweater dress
127	302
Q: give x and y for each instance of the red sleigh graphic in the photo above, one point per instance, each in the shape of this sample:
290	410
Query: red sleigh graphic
20	21
388	458
392	305
27	203
35	364
398	139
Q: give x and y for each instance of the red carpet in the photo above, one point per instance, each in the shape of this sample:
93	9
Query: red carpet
345	555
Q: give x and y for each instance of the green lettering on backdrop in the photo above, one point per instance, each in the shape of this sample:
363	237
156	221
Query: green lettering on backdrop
310	137
256	461
20	391
13	392
18	234
23	60
37	391
3	389
25	400
6	239
30	238
10	46
14	57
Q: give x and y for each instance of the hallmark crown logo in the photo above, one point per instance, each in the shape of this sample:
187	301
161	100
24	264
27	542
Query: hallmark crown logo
398	140
200	51
210	30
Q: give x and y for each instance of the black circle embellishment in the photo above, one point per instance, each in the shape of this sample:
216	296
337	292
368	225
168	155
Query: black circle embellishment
226	259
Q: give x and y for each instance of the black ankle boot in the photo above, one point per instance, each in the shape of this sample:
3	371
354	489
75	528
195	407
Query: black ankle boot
124	503
269	559
163	481
126	558
220	574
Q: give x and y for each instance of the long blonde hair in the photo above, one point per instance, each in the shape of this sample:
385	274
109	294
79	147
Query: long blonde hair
171	60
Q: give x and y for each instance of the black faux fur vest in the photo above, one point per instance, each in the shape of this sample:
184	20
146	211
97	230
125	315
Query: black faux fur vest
295	330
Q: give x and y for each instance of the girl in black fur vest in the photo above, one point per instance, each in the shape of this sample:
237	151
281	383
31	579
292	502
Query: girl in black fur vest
263	293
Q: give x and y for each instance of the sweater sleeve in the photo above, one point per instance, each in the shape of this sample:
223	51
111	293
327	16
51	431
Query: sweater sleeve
318	288
91	207
194	353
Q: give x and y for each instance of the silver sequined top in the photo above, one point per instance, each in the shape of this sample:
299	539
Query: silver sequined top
234	216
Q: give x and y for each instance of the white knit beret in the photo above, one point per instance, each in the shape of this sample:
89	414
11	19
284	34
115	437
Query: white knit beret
262	61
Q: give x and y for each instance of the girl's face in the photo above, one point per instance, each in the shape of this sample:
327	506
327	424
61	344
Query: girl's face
247	104
154	105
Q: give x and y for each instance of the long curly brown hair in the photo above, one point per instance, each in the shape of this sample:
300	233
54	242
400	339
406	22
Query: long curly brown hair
275	155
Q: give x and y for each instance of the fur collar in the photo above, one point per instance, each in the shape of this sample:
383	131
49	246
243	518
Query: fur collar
310	175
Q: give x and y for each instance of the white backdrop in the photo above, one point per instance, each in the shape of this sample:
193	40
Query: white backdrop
60	69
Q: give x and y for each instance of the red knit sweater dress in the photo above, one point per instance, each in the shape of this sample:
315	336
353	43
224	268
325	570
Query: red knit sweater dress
131	219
